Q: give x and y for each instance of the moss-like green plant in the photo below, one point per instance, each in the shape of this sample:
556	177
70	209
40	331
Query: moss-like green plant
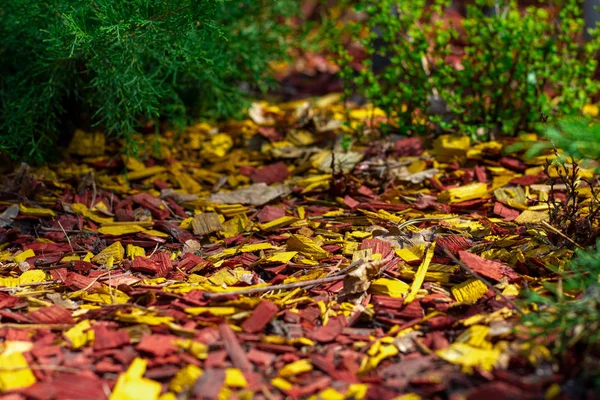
122	64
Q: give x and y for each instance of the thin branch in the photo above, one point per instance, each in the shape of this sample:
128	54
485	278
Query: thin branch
285	286
67	236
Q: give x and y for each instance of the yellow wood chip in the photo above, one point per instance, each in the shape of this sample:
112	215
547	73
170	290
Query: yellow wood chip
87	144
407	255
463	193
469	291
281	257
146	172
278	223
370	363
448	147
36	212
468	356
281	384
296	368
532	217
84	211
206	223
235	378
306	247
118	230
24	255
135	251
420	275
154	232
132	385
217	311
80	334
73	257
475	336
115	250
224	276
15	372
32	276
185	378
197	349
389	287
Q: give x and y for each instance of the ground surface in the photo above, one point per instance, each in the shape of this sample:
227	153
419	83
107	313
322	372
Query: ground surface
119	277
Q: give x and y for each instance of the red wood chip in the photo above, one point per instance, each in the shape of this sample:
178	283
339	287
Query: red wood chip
309	388
270	133
52	315
163	261
270	174
46	248
513	163
77	281
498	391
528	180
105	338
409	147
454	243
260	358
480	173
350	202
216	359
507	213
157	345
237	355
378	246
68	387
329	332
146	265
270	213
209	385
490	269
261	316
8	301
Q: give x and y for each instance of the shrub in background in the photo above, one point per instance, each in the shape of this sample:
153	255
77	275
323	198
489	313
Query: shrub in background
487	74
122	64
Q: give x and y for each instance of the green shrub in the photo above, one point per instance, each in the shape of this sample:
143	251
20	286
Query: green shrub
512	59
125	64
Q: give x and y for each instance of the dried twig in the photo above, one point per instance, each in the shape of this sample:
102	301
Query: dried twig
52	327
313	282
67	236
562	235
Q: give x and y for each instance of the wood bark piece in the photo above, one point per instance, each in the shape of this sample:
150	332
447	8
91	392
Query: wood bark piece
234	349
206	223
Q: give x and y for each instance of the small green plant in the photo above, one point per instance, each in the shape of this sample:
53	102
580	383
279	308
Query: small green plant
511	61
125	65
568	315
578	137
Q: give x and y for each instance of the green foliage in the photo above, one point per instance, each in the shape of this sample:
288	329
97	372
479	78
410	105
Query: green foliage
512	59
578	137
122	65
569	317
